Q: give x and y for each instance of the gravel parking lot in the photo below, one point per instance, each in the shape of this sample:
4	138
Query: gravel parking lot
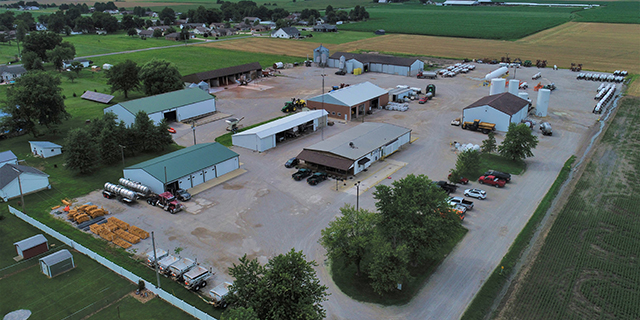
263	212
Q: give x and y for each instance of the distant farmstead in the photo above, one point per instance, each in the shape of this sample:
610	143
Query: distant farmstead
286	33
325	28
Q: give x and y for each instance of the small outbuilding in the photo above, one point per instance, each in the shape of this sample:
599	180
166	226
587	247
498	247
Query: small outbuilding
57	263
350	102
8	157
45	149
83	62
325	28
356	149
269	135
31	247
17	179
185	168
173	106
501	109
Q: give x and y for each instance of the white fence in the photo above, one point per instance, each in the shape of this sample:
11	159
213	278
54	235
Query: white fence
114	267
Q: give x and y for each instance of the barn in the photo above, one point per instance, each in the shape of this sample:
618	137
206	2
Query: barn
17	179
350	102
31	247
356	149
45	149
377	63
57	263
500	109
178	105
185	168
269	135
226	76
8	157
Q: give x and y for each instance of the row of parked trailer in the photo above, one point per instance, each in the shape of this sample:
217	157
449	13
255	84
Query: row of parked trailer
607	94
394	106
188	273
453	70
600	77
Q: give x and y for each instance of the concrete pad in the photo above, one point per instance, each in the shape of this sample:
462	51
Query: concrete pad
377	173
216	181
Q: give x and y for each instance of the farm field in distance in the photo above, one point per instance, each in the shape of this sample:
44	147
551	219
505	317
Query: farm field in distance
588	266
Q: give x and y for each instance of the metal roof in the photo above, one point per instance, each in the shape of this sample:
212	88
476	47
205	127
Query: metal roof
283	124
505	102
212	74
31	242
97	97
14	69
375	58
460	2
7	174
166	101
7	156
57	257
352	95
292	31
325	159
185	161
45	144
365	138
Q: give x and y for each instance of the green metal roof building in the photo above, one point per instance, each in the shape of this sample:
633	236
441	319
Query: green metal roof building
185	168
178	105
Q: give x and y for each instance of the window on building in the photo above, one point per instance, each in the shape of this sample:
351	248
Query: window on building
333	112
339	114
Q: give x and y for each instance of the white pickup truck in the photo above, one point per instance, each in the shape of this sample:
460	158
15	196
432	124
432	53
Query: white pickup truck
462	202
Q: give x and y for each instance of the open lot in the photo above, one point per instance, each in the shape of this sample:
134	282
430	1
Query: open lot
263	212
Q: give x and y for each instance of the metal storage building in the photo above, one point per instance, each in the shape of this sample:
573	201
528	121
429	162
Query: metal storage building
15	178
185	168
174	106
351	102
226	76
8	157
354	150
377	63
32	246
269	135
45	149
320	54
500	109
57	263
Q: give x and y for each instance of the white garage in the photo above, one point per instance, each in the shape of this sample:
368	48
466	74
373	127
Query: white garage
185	168
269	135
500	109
17	179
178	105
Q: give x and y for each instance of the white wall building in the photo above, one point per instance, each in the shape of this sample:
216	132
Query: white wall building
286	33
500	109
45	149
269	135
8	157
173	106
185	168
377	63
14	177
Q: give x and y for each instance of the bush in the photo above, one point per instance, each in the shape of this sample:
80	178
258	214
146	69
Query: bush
74	95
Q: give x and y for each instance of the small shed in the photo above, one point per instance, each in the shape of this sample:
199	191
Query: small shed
8	157
57	263
32	247
45	149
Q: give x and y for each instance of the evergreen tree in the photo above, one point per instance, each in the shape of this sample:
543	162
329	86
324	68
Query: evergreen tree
518	143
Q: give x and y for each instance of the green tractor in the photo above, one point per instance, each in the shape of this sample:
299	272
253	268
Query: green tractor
431	88
293	105
527	63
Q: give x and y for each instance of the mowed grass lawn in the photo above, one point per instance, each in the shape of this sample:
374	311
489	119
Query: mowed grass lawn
92	44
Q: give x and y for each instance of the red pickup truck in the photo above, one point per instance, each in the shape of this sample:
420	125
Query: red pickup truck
492	181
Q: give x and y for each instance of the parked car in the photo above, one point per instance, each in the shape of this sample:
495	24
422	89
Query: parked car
492	181
455	122
301	174
423	100
462	180
182	195
476	193
291	163
462	202
502	175
317	178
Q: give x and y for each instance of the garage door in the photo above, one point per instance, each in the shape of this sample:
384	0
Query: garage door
227	166
184	182
209	173
197	178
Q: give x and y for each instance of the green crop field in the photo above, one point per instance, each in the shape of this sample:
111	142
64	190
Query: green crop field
588	267
611	12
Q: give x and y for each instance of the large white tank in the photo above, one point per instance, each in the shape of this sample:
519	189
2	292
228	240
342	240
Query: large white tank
513	86
542	105
523	95
497	86
496	73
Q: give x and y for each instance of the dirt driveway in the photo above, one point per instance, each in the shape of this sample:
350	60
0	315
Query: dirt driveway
263	212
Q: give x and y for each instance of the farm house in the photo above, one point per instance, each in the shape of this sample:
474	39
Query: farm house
269	135
185	168
286	33
17	179
351	102
45	149
178	105
226	76
8	157
354	150
377	63
57	263
500	109
31	247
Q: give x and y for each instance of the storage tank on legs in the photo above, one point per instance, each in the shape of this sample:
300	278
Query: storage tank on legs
542	105
497	86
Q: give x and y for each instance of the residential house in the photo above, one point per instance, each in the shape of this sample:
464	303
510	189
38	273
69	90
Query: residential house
172	36
41	27
325	28
259	28
8	157
8	72
251	20
18	179
286	33
85	62
202	31
243	26
226	32
101	32
112	12
145	34
216	25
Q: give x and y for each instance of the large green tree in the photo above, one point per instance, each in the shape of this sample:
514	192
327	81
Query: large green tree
240	313
389	266
34	100
145	132
518	143
467	164
31	61
41	41
124	77
160	76
489	145
59	54
348	237
80	152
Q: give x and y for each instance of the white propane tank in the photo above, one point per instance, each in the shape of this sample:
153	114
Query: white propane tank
278	65
497	86
542	105
513	86
496	73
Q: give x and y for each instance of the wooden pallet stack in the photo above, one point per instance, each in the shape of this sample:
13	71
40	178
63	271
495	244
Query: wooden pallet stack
138	232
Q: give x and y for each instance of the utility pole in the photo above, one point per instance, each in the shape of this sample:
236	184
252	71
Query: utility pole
193	128
325	118
122	150
358	196
20	186
155	258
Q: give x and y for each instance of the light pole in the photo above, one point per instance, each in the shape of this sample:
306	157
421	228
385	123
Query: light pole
122	150
325	118
20	186
193	128
358	196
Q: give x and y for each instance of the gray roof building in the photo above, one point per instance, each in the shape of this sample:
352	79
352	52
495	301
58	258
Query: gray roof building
8	174
8	157
351	95
57	263
225	76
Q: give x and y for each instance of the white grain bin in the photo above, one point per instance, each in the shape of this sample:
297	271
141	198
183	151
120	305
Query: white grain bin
542	105
513	86
496	73
497	86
